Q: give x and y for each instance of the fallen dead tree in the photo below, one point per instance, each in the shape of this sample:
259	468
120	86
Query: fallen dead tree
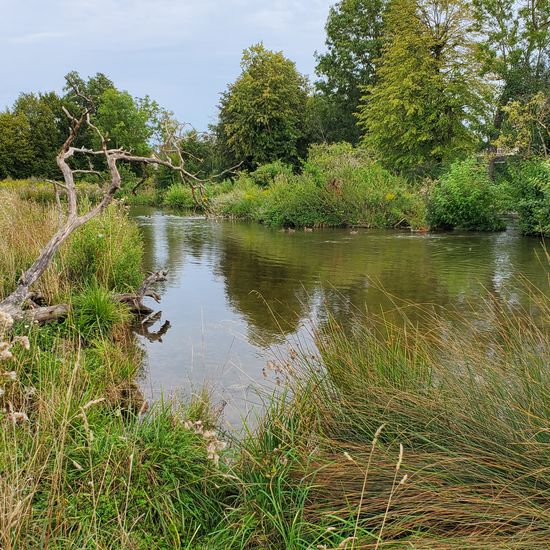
45	314
19	304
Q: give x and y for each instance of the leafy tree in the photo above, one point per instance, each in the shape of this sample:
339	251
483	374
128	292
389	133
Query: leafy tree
45	117
515	50
126	121
428	98
262	114
527	128
354	42
79	91
16	152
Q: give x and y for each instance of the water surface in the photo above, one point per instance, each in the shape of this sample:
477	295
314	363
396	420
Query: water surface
236	291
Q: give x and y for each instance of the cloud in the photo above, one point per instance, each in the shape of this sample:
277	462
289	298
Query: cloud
181	52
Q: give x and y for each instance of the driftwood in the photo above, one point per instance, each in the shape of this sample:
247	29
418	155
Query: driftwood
45	314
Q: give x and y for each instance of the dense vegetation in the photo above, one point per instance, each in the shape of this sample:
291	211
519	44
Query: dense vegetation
354	453
427	114
423	89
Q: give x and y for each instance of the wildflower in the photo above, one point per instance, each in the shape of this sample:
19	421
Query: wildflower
2	392
404	479
5	353
12	375
23	340
18	417
6	320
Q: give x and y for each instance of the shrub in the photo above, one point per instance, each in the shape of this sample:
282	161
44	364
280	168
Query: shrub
95	313
530	188
179	197
242	201
466	198
341	185
266	174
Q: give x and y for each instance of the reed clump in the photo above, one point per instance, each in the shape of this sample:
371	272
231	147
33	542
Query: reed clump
462	458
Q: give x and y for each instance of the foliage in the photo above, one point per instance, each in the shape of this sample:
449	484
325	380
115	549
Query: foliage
530	183
180	197
262	113
354	41
124	121
339	186
527	128
466	198
266	174
515	48
425	103
49	130
16	152
95	314
107	249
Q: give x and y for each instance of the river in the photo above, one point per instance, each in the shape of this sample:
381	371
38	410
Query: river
238	292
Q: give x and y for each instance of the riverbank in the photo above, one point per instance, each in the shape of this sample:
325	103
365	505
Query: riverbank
342	186
387	436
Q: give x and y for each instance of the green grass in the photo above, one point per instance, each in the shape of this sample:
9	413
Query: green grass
387	436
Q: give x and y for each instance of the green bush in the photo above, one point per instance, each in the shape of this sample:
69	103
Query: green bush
466	198
108	249
95	314
266	174
530	183
242	200
339	186
179	197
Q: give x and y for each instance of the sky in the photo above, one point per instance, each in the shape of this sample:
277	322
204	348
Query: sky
182	53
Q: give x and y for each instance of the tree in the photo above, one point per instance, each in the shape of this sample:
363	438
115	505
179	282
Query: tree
45	117
262	113
516	51
354	43
125	121
16	152
72	217
428	99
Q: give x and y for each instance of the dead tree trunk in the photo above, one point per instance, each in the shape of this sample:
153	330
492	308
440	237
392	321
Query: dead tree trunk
72	220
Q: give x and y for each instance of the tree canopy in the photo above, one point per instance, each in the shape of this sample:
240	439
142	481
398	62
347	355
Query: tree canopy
354	41
425	106
262	114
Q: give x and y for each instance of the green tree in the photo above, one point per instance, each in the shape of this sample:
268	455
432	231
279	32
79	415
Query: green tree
262	114
127	122
49	125
16	150
428	99
515	50
354	42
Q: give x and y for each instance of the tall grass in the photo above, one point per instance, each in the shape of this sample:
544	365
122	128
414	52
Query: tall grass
389	435
469	405
108	249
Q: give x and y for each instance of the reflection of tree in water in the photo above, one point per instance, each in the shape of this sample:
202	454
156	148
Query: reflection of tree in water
269	295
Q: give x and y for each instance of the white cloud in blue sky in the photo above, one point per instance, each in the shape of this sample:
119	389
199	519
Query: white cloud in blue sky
180	52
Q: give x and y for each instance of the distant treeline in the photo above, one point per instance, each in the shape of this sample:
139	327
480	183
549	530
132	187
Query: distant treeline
416	86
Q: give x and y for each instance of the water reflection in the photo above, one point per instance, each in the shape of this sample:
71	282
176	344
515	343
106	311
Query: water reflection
235	290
